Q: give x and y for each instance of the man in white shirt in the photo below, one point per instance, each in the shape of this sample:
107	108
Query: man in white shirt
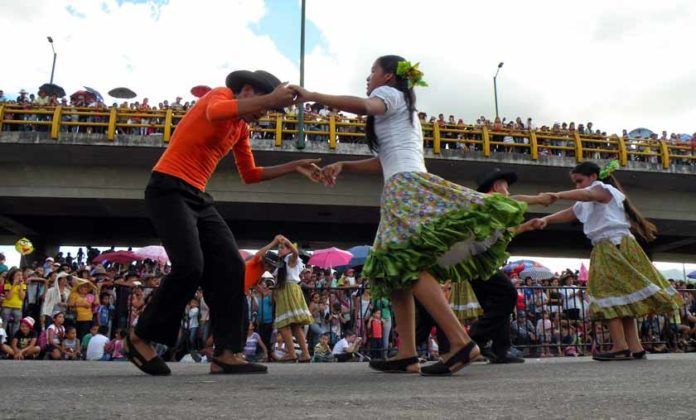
95	348
344	350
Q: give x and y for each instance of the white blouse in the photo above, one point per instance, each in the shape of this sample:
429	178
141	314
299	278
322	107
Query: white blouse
603	221
400	140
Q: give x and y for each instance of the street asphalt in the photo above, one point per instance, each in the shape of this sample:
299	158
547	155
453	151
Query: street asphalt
659	388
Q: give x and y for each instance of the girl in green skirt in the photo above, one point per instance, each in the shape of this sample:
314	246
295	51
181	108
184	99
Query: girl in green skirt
623	284
430	229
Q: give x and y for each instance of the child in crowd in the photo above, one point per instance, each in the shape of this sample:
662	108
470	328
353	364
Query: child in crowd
115	346
374	332
55	334
279	348
322	351
71	345
544	329
94	329
104	312
4	348
623	284
23	345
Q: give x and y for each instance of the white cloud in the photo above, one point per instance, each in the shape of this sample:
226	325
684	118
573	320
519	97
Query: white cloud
619	63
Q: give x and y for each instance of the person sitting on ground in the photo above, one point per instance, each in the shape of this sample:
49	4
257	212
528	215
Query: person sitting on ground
94	329
4	348
55	334
254	349
95	350
71	345
115	346
346	348
279	351
322	351
23	345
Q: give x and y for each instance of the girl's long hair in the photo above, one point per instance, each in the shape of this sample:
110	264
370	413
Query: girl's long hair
388	63
639	224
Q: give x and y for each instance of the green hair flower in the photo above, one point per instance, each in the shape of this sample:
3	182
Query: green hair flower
609	169
410	72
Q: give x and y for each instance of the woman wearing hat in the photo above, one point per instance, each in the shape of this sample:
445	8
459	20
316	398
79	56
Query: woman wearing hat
200	245
81	301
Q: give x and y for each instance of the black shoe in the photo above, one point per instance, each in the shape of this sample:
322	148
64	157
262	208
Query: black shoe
488	354
239	368
443	368
394	366
155	366
612	356
507	359
639	356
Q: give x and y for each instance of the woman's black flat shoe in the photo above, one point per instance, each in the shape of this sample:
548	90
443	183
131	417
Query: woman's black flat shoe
612	356
241	368
155	367
393	366
639	356
441	368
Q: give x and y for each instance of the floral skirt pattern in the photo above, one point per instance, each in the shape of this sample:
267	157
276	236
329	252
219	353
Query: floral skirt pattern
624	283
433	225
464	303
291	307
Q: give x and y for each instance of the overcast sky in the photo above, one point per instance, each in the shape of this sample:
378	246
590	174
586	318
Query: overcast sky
620	64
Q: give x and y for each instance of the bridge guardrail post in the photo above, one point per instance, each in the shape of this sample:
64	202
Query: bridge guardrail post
436	138
167	125
486	137
332	132
111	130
55	122
533	144
2	115
578	147
664	154
279	131
623	153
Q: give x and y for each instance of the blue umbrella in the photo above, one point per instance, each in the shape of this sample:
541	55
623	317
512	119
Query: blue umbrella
96	94
359	255
685	137
691	275
640	133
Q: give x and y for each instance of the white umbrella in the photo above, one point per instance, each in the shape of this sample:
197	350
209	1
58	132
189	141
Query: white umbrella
153	252
537	273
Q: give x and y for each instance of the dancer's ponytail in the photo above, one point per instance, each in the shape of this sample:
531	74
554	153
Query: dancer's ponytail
390	63
639	224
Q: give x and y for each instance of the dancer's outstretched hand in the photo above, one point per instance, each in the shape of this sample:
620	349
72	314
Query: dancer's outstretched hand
282	96
301	94
538	224
331	172
310	169
546	199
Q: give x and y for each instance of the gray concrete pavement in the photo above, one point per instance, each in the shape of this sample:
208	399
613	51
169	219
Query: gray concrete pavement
661	387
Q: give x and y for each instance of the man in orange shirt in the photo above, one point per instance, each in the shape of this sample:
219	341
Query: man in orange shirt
200	245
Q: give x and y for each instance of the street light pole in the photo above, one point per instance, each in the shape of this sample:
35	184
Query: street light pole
495	88
300	111
53	68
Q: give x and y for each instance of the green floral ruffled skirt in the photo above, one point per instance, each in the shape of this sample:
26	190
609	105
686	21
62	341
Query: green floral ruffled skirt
624	283
433	225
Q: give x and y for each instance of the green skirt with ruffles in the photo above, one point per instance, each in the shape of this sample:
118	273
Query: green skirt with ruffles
433	225
623	283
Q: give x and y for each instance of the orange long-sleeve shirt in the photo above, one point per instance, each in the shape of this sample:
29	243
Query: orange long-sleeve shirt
205	135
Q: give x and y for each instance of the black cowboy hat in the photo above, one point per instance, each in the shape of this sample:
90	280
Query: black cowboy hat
262	81
485	181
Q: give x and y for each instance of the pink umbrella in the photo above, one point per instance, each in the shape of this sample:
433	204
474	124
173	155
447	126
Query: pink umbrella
329	258
154	253
119	257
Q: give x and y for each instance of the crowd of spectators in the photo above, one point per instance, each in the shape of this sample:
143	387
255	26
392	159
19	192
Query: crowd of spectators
65	309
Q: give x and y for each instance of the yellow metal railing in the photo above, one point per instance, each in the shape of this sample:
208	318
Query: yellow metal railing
335	130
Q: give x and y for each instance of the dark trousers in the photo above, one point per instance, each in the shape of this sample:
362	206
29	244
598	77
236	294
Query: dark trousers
204	254
497	296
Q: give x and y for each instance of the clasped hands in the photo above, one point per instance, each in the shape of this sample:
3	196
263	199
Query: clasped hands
326	175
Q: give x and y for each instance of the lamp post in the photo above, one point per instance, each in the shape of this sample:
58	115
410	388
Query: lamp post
53	69
300	111
495	87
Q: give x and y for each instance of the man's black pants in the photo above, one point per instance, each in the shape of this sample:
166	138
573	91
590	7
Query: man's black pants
498	297
203	253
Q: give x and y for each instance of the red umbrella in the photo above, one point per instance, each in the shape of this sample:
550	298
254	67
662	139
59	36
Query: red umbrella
330	258
88	96
200	90
119	257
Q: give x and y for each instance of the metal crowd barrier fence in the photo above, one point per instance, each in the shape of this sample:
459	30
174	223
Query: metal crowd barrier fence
334	130
548	320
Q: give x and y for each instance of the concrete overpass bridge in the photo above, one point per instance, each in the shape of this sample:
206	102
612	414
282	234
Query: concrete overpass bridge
86	189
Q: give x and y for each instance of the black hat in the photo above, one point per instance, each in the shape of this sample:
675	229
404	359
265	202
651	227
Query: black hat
262	81
485	181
